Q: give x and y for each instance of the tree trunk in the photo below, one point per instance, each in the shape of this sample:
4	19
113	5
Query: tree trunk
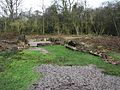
77	30
115	26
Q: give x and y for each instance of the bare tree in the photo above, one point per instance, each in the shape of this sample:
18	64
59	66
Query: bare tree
71	2
10	8
43	9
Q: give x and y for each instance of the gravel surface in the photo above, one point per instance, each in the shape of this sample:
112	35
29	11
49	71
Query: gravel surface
74	78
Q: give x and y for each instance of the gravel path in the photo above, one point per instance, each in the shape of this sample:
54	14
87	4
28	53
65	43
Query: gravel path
74	78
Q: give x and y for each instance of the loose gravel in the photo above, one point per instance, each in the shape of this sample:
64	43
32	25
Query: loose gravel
74	78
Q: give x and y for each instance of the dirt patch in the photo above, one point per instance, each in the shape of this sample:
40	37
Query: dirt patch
43	51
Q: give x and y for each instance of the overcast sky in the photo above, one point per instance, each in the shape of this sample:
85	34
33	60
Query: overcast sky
36	4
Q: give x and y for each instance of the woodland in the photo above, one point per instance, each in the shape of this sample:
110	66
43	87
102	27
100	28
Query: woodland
63	17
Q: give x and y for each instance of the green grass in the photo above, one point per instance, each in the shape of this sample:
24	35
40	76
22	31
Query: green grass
62	56
115	55
18	71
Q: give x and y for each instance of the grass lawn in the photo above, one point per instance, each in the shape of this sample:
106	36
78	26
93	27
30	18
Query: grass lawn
19	74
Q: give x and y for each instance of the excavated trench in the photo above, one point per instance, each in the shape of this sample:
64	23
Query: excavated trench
71	77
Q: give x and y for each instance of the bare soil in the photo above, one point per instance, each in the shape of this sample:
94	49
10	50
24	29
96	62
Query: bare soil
43	51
